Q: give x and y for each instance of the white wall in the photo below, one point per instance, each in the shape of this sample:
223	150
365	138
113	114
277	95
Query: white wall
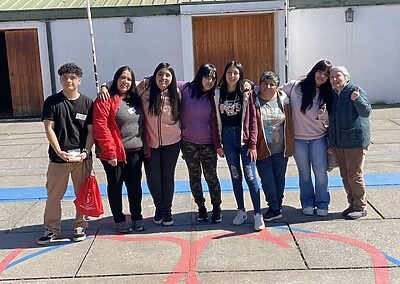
369	47
154	40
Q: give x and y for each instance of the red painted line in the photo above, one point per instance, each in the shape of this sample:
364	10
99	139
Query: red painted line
12	255
193	256
181	267
378	258
9	258
198	247
191	251
267	236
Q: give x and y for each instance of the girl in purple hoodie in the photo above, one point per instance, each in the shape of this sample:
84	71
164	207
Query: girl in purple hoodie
200	139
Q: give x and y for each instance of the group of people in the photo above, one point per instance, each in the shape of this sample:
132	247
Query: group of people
256	129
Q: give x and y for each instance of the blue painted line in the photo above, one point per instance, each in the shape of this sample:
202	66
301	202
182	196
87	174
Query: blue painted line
392	259
284	228
27	257
14	194
35	254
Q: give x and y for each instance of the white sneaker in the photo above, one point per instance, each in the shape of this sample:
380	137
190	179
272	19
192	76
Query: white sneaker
258	222
309	211
322	212
241	216
357	214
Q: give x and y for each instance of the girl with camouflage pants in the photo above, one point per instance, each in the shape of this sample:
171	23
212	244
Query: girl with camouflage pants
200	139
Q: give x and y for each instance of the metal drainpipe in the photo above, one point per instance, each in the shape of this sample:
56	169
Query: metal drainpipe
51	56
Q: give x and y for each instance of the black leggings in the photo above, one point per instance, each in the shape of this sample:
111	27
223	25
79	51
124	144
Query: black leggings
160	173
131	174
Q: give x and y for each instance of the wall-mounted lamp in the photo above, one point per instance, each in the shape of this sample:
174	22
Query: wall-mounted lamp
128	26
349	15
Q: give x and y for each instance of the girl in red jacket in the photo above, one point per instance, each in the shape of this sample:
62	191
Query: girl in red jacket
118	133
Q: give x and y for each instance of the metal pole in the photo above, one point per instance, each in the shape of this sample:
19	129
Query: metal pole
51	57
89	14
286	3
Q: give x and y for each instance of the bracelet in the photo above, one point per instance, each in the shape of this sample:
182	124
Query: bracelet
85	151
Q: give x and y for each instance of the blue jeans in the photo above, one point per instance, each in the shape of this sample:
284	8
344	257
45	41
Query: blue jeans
231	140
272	171
307	154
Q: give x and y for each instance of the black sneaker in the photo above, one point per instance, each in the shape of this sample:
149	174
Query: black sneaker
168	220
158	217
123	227
79	234
347	211
216	216
272	215
47	237
203	216
138	225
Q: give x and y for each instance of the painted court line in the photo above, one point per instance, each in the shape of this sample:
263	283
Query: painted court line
192	256
14	194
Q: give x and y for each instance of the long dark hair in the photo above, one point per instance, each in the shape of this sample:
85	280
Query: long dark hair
224	84
131	95
155	93
307	86
205	70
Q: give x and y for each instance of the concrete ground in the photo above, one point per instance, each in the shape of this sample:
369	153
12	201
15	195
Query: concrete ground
295	249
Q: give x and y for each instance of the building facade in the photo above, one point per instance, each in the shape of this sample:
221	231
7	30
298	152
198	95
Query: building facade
35	41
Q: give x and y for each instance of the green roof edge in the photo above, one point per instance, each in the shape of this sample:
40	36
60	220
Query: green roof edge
80	13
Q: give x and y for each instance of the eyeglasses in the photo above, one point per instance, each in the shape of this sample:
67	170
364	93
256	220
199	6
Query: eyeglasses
322	73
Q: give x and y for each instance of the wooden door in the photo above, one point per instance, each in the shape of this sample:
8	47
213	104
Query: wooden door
24	72
248	39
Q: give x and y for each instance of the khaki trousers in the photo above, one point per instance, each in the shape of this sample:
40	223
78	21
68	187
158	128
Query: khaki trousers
351	163
57	182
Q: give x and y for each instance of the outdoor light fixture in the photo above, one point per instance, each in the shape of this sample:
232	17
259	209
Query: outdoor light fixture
349	15
128	26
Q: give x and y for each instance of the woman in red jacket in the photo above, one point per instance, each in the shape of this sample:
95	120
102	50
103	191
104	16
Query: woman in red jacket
118	133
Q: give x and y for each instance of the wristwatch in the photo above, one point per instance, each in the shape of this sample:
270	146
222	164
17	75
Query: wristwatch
85	151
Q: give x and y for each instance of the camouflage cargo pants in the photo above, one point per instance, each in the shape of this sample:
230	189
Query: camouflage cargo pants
200	157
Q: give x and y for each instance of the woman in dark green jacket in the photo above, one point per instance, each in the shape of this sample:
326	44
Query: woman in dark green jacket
349	137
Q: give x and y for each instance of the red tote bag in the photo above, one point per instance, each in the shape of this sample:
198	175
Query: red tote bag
88	201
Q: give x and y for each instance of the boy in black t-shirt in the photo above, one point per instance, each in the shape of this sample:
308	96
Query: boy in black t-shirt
67	118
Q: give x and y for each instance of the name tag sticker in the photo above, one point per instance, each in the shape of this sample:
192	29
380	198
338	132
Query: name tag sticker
131	110
74	152
81	116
